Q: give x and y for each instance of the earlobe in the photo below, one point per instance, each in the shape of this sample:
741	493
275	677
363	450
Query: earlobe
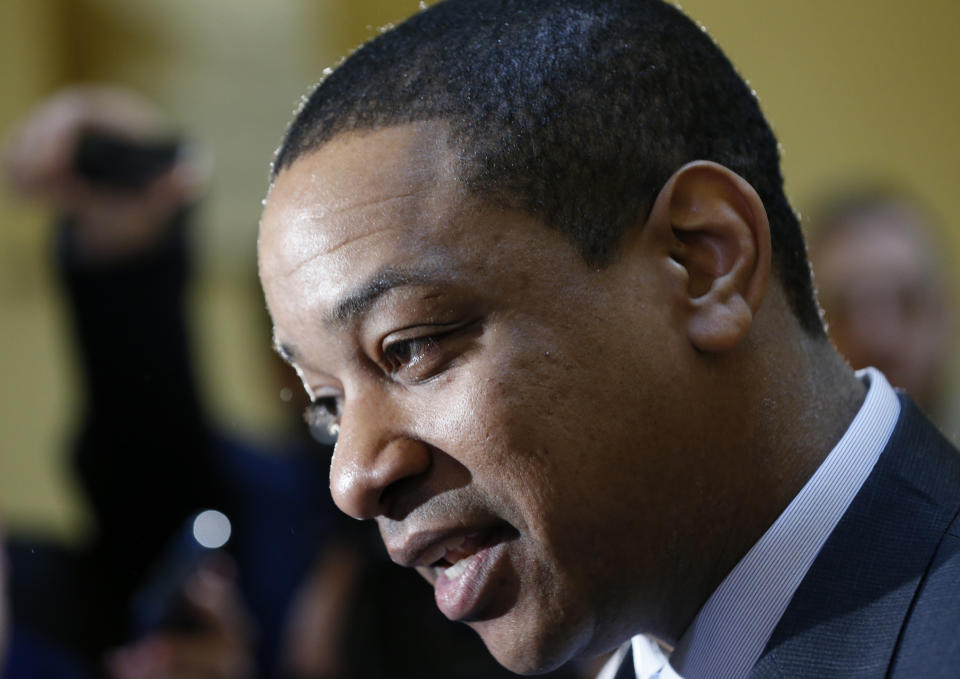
716	230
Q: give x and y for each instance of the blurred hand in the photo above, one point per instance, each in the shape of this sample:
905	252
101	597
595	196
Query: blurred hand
315	630
221	649
38	163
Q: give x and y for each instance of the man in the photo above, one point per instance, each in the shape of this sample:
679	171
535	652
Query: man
885	295
533	262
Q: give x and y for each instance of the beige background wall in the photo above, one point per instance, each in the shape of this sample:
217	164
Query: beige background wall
852	87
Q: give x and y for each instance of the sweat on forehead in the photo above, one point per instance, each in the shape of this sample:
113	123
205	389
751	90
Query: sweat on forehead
338	182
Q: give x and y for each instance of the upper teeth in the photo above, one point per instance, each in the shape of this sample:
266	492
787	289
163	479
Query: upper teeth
441	549
457	569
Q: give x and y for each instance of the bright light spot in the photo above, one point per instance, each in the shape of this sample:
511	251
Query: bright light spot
211	529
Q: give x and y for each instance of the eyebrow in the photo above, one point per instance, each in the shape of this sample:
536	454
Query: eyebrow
358	301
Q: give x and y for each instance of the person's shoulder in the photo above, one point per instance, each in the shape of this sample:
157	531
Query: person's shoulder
927	467
928	458
930	642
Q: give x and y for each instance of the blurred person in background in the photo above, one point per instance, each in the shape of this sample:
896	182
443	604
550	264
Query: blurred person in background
885	292
146	455
302	594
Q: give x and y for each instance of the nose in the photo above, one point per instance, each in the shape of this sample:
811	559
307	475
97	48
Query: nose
373	454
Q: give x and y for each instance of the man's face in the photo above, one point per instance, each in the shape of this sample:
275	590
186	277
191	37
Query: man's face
516	421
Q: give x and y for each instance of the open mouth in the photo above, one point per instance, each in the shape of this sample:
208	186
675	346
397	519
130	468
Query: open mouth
453	557
459	552
471	573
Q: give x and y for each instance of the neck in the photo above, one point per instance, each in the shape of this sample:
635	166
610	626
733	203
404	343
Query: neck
806	407
791	407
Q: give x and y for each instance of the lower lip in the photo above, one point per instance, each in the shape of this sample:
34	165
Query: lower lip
464	597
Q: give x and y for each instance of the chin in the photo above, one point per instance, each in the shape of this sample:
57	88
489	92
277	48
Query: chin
525	662
529	649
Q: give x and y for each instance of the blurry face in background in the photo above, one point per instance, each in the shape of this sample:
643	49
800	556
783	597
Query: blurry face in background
884	299
518	423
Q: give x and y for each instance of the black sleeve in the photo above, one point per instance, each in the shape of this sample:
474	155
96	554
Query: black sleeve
144	454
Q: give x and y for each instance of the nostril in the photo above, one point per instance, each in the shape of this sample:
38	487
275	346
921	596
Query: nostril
402	496
377	481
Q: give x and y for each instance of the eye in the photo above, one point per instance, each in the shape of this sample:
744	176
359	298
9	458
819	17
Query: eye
408	354
419	353
323	418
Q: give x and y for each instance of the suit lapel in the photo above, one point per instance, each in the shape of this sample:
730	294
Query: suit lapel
846	616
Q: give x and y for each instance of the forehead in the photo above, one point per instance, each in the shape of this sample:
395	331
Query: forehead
359	200
353	187
367	210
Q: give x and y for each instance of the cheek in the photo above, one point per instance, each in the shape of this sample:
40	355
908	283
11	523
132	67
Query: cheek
490	417
531	453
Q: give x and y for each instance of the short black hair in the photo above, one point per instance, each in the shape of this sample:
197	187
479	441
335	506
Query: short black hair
576	111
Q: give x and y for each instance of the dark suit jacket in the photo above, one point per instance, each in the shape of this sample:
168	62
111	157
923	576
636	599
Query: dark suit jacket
882	599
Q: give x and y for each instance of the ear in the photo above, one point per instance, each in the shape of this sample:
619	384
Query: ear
715	228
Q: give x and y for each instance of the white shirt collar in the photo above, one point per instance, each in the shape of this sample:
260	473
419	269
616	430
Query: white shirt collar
649	659
732	628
